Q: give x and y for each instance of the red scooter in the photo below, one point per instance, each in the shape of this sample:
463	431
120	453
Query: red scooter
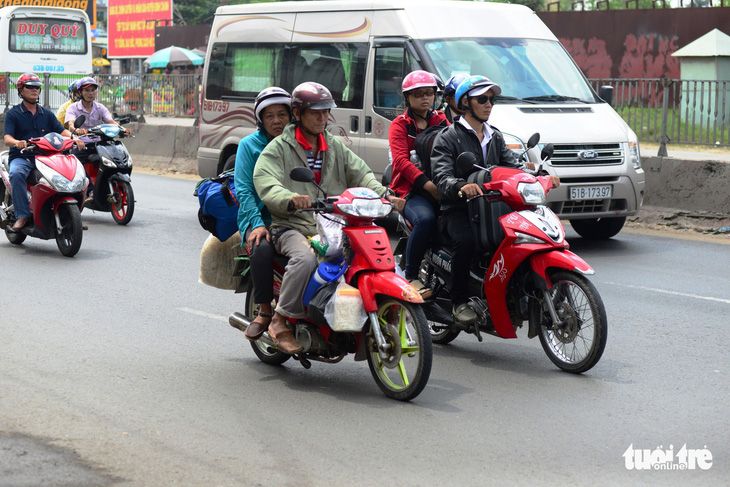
522	271
394	338
56	188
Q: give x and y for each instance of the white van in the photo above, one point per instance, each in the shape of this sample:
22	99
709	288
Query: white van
361	51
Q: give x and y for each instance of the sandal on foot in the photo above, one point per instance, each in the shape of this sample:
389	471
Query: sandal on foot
285	341
425	292
256	329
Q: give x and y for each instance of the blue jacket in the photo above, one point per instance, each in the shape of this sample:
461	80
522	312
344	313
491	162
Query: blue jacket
251	211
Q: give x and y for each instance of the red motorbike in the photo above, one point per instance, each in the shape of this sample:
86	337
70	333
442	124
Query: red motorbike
56	192
522	271
394	337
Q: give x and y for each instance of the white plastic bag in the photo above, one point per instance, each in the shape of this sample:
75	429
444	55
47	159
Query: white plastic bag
330	232
345	311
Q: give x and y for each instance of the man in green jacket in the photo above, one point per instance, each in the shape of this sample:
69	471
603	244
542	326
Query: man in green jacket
336	168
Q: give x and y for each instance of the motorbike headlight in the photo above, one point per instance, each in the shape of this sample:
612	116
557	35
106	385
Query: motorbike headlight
366	208
108	162
532	193
633	155
523	238
60	183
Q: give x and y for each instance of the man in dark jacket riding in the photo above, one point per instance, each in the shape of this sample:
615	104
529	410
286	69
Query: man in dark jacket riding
470	133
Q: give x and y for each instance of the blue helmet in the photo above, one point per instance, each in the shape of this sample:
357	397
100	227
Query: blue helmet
86	81
476	84
453	83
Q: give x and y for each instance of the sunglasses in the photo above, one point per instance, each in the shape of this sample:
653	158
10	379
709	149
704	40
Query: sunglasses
33	88
422	94
483	99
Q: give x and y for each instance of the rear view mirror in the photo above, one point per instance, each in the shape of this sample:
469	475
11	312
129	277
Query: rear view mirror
533	140
302	174
466	161
79	122
547	152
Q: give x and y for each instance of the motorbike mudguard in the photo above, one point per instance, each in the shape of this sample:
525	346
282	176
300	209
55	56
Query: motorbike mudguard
120	177
387	283
563	259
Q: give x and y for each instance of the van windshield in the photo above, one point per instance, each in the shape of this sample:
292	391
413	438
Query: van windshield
526	69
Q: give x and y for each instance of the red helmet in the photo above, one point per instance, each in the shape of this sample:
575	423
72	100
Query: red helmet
28	79
418	79
312	95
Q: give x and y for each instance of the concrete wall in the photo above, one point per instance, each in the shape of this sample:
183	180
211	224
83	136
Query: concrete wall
164	147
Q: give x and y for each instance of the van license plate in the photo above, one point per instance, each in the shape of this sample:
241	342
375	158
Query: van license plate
590	192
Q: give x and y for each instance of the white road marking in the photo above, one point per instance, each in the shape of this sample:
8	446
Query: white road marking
675	293
203	313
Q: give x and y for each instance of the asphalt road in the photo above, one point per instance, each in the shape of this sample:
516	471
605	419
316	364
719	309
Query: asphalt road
118	368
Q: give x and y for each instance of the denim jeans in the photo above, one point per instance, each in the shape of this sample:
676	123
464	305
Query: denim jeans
20	167
422	216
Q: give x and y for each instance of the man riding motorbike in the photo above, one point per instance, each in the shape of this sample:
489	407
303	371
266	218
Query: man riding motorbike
304	144
26	120
475	95
272	110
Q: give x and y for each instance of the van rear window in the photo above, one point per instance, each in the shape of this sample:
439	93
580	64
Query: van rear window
238	71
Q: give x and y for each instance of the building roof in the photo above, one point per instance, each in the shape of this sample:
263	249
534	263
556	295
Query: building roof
713	44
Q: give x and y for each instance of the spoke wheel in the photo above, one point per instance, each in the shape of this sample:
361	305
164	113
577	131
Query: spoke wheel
123	204
441	333
69	236
404	373
268	355
577	343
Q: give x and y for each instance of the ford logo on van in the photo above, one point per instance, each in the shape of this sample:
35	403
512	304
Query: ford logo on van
587	155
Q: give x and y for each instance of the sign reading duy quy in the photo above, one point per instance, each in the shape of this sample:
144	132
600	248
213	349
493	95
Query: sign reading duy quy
89	6
131	26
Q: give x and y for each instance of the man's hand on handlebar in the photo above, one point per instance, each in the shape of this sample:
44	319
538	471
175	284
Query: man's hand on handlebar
398	203
471	190
530	165
300	202
555	180
80	144
21	144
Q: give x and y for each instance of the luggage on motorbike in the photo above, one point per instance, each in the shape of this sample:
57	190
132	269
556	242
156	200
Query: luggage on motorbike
326	272
423	146
218	211
318	303
484	216
218	262
345	310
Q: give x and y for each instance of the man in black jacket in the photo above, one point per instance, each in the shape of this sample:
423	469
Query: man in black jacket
470	133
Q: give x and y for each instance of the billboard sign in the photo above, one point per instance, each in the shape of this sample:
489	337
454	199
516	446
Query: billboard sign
88	6
131	26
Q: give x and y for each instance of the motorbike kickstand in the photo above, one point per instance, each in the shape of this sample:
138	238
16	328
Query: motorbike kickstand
303	360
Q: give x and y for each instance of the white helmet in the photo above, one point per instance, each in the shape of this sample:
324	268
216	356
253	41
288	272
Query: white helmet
270	96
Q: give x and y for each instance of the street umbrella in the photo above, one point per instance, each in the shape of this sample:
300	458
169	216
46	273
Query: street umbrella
199	52
173	55
100	62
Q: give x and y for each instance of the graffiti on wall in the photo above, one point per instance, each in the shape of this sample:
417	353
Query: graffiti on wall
649	56
591	56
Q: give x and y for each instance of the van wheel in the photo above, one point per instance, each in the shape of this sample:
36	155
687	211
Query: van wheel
230	163
598	228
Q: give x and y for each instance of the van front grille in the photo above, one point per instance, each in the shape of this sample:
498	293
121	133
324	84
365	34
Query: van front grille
571	155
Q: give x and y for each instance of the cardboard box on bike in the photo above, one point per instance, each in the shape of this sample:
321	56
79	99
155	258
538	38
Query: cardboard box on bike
362	50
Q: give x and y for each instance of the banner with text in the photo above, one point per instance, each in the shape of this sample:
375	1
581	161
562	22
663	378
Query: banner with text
132	26
89	6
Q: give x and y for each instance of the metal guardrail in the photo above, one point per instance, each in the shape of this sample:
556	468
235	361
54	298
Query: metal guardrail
673	111
137	94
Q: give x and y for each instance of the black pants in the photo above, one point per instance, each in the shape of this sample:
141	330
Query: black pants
261	263
457	228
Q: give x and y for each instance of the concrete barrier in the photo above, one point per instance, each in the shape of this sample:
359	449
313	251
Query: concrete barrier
695	185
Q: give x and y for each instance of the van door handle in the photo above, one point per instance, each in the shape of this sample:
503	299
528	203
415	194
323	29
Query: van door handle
368	125
354	124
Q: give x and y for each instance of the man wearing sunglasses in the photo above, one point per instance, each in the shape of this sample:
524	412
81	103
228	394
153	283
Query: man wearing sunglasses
24	121
476	96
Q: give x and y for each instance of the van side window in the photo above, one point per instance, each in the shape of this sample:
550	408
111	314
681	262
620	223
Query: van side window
238	70
340	67
392	63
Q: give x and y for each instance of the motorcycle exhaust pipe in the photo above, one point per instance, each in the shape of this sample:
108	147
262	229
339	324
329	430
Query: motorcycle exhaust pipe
239	321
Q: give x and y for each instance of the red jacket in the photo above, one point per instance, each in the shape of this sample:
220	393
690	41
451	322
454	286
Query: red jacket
401	137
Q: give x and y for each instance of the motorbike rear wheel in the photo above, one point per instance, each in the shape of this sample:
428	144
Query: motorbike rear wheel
69	236
268	355
577	343
123	205
405	372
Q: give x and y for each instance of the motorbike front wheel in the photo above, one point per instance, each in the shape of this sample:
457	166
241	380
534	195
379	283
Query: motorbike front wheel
577	342
68	237
404	373
265	353
123	202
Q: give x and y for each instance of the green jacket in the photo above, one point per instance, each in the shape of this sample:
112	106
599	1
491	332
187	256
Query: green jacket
341	169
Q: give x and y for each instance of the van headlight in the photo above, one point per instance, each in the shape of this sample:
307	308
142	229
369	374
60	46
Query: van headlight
634	155
366	208
532	193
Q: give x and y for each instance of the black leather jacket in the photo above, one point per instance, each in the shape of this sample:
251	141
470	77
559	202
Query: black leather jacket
451	142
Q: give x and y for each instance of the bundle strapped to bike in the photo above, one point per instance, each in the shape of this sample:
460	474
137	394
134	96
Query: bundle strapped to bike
218	211
484	215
